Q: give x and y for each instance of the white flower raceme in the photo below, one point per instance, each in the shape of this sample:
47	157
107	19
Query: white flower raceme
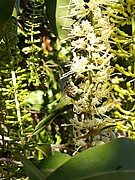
91	63
83	8
79	65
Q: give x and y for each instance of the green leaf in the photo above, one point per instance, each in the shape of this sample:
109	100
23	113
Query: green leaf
43	150
6	9
57	12
31	170
36	97
50	164
36	107
35	100
113	160
51	11
63	102
42	124
63	23
16	9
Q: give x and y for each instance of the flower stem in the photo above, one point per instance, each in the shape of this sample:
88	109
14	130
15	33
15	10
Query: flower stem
133	34
11	67
90	73
17	103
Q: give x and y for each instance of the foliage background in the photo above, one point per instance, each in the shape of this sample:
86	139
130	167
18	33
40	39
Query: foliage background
35	108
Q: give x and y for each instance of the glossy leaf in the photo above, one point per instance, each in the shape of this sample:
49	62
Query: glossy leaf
6	9
51	13
31	170
57	11
50	164
47	120
114	160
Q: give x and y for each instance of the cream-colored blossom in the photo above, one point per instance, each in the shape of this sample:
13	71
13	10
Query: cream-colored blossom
97	140
79	44
91	63
79	64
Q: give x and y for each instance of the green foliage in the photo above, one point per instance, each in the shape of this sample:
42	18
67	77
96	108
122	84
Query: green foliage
124	82
112	160
42	124
102	162
34	100
50	164
58	15
35	113
29	77
6	9
31	170
45	167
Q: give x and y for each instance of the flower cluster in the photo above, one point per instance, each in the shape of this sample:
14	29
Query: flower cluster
90	66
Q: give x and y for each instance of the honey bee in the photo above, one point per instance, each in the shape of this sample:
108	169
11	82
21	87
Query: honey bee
69	90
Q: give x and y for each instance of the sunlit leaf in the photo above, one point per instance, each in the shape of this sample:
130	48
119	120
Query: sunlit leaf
57	12
35	100
43	150
63	102
49	165
114	160
36	97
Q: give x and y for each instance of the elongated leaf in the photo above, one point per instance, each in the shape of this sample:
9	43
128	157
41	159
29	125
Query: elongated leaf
16	9
6	9
51	12
63	22
114	160
43	150
42	124
58	12
50	164
31	170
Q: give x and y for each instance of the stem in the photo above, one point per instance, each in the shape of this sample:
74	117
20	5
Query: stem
90	82
2	139
2	119
133	34
32	28
17	103
11	67
6	176
90	73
